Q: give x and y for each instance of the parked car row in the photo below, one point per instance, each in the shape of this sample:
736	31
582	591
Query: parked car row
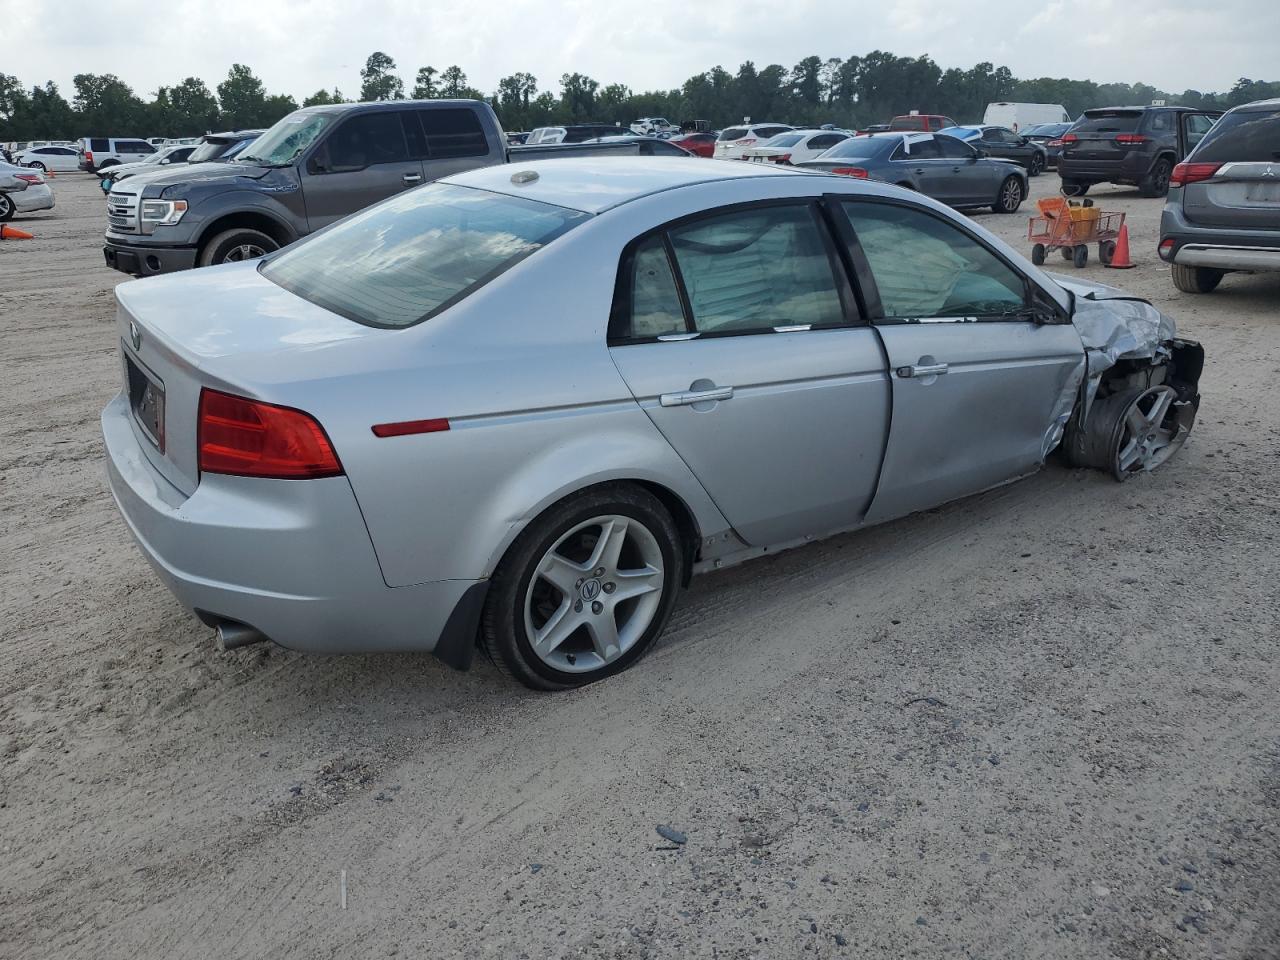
209	148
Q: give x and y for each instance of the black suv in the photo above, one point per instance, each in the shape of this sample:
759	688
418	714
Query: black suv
1133	145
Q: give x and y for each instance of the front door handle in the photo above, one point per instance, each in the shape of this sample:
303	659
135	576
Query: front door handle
413	178
922	370
687	397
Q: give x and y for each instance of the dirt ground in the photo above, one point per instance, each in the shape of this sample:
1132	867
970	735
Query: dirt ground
1037	723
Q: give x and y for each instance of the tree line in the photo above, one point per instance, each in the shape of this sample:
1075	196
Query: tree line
850	92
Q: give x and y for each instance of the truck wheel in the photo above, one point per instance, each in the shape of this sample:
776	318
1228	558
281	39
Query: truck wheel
1193	279
1156	183
232	246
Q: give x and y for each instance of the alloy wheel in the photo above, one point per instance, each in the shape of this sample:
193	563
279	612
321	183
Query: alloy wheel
243	251
1150	433
1011	195
594	593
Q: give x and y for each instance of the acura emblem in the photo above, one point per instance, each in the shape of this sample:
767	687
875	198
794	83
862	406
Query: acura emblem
135	335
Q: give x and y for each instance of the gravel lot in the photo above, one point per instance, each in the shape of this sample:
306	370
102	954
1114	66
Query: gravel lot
1037	723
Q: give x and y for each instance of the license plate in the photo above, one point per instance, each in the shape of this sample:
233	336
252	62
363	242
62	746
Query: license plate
1262	192
146	399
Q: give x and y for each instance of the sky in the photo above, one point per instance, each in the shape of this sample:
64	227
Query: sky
299	46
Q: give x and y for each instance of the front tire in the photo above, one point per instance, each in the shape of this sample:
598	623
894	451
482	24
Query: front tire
1196	279
1156	182
1010	196
585	590
235	245
1133	431
37	165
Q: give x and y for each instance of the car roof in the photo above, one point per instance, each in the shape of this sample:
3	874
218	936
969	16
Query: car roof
1259	105
596	184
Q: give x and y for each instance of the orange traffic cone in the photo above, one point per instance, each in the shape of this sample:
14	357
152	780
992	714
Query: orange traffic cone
1120	255
13	233
49	174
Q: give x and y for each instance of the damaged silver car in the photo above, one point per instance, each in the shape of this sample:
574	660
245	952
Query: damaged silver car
401	434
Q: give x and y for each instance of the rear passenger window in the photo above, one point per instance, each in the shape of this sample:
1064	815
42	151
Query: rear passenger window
453	133
757	269
654	308
926	268
363	141
98	144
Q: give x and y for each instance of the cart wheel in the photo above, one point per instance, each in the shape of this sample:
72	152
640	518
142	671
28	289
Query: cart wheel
1067	252
1106	251
1037	254
1081	256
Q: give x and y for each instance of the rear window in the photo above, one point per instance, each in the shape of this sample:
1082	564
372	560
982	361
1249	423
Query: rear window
784	140
453	132
1109	121
907	123
766	132
1242	137
98	144
405	260
863	147
733	133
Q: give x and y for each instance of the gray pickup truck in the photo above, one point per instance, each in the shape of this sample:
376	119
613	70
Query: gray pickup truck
313	167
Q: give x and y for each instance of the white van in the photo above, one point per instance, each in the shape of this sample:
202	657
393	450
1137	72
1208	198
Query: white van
1018	116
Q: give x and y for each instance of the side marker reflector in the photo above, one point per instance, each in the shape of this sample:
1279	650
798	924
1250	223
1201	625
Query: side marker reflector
406	427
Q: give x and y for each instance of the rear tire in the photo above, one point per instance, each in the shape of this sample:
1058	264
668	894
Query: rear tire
1193	279
232	246
1156	182
1010	196
37	165
108	164
1036	166
523	597
1074	188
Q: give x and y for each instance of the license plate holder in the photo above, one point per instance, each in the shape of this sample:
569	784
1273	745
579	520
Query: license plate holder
146	400
1262	192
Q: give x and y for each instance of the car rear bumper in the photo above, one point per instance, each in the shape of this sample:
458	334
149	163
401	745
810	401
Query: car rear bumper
145	260
289	558
1221	249
36	197
1131	169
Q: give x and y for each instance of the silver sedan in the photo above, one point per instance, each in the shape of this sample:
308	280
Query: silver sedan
515	410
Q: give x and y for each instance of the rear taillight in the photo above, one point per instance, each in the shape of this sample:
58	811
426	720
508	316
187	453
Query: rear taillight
1131	138
858	172
248	438
29	177
781	158
88	155
1166	248
1185	173
1070	138
1056	143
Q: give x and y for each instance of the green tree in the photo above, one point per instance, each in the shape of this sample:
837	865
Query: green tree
426	87
323	98
578	96
242	97
453	82
195	110
276	106
106	105
377	82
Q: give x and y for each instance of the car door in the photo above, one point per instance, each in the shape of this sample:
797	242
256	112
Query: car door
364	159
973	179
922	159
978	385
738	334
1193	128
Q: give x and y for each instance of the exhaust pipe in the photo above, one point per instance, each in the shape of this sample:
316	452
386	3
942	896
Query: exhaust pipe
231	635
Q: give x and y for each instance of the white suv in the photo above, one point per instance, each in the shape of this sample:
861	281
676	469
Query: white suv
98	153
733	142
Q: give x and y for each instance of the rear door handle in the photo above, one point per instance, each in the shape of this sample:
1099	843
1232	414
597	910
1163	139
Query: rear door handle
413	178
686	397
922	370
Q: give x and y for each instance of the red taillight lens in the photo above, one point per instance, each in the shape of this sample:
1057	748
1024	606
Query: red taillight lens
1185	173
405	428
1131	138
858	172
248	438
1166	248
1070	138
29	177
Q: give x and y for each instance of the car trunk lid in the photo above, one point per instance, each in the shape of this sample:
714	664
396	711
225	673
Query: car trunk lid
1242	195
226	328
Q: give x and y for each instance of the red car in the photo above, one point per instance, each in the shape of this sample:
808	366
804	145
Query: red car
699	144
925	122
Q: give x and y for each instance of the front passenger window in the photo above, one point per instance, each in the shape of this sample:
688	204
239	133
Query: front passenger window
927	268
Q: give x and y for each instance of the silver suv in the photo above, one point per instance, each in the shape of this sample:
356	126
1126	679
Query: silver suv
1223	210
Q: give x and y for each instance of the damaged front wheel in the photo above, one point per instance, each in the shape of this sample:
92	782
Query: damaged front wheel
1132	431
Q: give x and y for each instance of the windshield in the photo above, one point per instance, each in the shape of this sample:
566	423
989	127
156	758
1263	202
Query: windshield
285	141
1241	136
416	254
862	147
